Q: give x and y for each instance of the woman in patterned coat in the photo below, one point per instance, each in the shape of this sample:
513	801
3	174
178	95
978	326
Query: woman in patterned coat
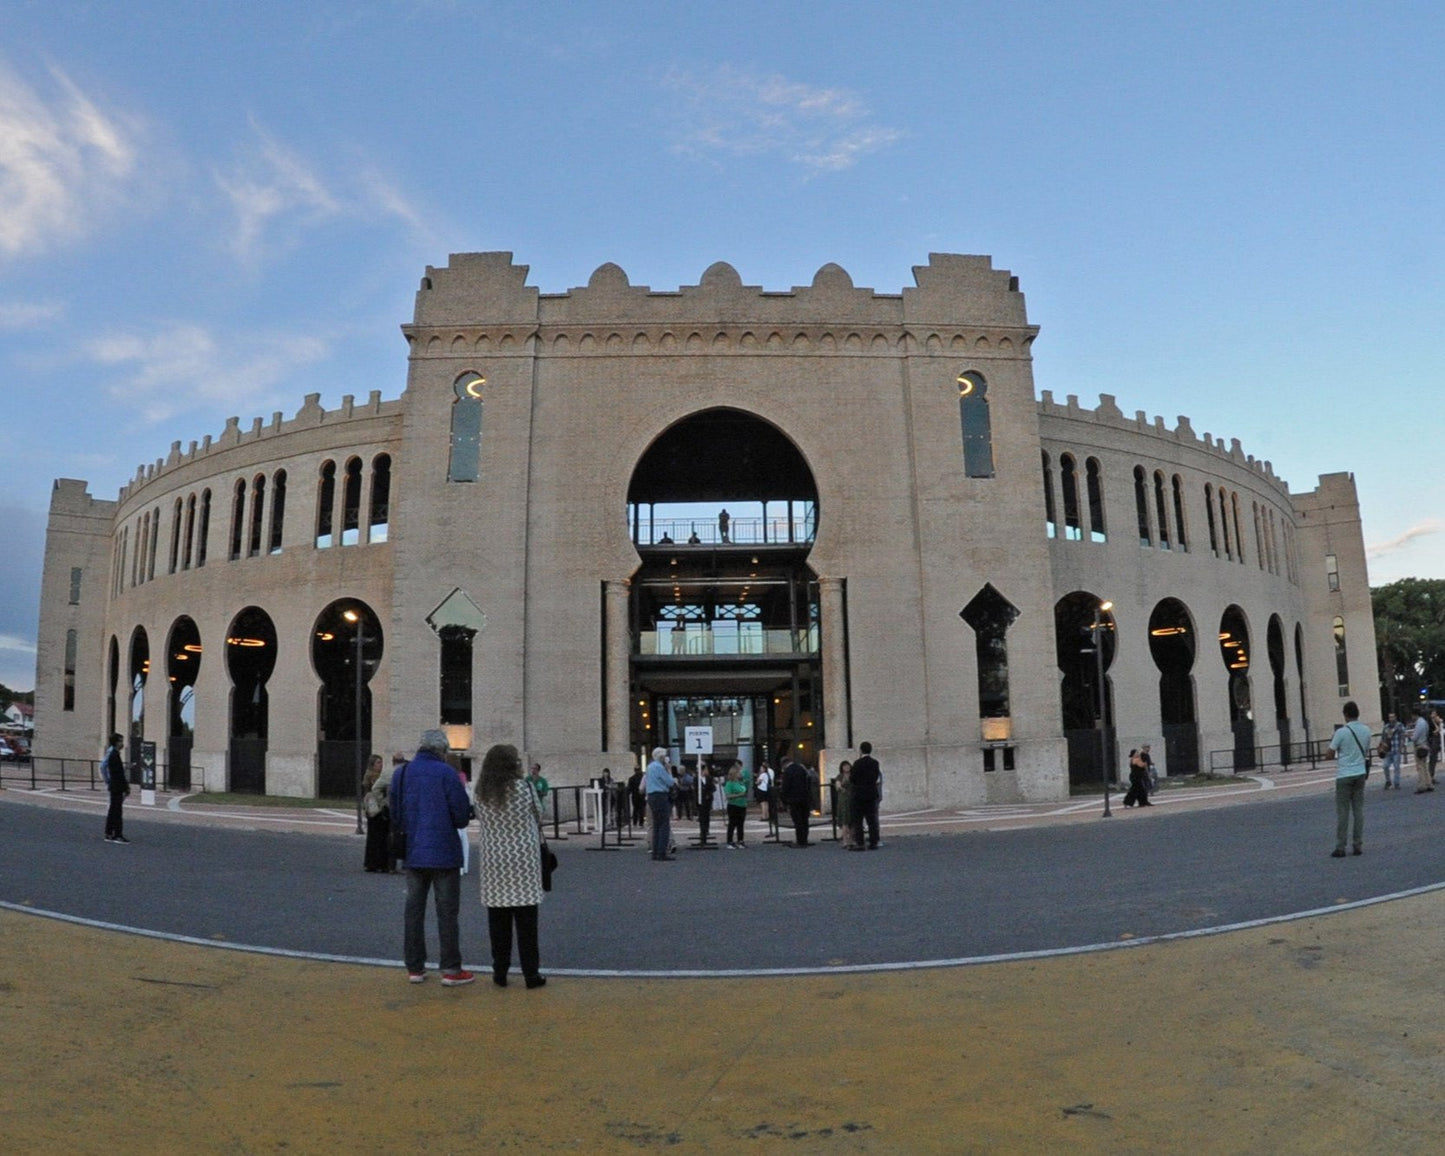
510	854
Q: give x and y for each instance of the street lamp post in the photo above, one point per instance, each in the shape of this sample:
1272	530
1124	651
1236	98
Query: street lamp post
1099	612
355	617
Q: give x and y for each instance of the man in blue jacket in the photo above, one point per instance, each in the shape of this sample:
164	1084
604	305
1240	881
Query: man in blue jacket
429	803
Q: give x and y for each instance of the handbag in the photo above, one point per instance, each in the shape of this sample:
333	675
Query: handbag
549	864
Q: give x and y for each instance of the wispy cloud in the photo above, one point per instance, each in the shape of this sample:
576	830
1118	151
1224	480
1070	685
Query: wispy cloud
63	158
18	645
276	195
29	314
737	113
186	367
1419	530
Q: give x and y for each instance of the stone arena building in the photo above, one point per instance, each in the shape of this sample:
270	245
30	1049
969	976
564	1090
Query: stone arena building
806	518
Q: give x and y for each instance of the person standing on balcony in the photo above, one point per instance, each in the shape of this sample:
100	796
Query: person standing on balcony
723	521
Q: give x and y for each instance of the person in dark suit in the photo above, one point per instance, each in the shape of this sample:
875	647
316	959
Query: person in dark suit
112	766
797	795
867	778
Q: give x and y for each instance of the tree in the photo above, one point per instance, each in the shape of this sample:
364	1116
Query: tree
1410	640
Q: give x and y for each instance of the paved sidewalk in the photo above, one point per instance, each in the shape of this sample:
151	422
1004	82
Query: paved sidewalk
1323	1034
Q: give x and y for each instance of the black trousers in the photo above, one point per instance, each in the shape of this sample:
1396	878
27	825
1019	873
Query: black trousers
799	812
500	921
113	815
865	813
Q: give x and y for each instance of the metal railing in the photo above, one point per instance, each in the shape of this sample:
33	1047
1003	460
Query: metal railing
1277	756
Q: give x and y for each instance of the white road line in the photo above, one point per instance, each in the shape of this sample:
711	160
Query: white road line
758	972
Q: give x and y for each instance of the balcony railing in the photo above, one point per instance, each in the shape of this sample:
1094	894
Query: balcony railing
705	643
773	531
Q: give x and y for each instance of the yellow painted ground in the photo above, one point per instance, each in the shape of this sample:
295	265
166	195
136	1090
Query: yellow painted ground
1318	1036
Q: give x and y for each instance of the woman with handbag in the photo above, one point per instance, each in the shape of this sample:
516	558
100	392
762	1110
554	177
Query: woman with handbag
510	853
377	856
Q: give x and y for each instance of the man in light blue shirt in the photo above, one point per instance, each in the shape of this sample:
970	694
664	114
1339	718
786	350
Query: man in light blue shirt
658	785
1349	744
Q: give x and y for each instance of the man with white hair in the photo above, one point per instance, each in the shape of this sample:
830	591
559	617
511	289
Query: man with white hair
658	783
429	804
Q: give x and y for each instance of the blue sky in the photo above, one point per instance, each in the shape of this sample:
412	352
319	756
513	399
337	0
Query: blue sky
1230	211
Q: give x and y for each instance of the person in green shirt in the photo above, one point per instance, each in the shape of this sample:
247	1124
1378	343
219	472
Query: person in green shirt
539	784
735	790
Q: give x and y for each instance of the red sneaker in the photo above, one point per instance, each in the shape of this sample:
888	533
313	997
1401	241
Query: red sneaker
457	978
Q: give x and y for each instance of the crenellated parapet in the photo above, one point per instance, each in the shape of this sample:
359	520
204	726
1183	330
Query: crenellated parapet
480	305
1108	415
311	416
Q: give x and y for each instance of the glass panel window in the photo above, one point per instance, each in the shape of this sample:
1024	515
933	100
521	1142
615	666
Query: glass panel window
977	427
464	464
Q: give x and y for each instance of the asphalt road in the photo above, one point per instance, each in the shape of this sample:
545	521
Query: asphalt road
918	899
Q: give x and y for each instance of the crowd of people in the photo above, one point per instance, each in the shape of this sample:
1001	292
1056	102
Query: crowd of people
419	812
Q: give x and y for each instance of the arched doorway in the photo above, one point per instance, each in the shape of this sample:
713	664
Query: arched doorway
1086	698
724	610
140	669
1171	645
1274	644
183	665
1234	652
346	646
250	660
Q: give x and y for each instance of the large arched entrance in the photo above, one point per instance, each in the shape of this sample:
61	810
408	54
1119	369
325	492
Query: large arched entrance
724	609
1234	653
1171	645
1084	638
183	666
140	669
346	647
250	659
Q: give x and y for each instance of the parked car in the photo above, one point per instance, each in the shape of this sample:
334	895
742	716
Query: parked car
7	752
20	745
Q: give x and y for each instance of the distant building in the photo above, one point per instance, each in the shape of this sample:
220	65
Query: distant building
527	546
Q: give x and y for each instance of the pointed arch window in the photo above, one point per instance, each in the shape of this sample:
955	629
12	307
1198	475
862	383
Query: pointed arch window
278	511
238	519
325	504
1181	537
1342	658
258	514
1141	505
176	517
1161	507
464	464
1051	517
379	517
203	532
1097	531
351	504
1069	476
977	426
